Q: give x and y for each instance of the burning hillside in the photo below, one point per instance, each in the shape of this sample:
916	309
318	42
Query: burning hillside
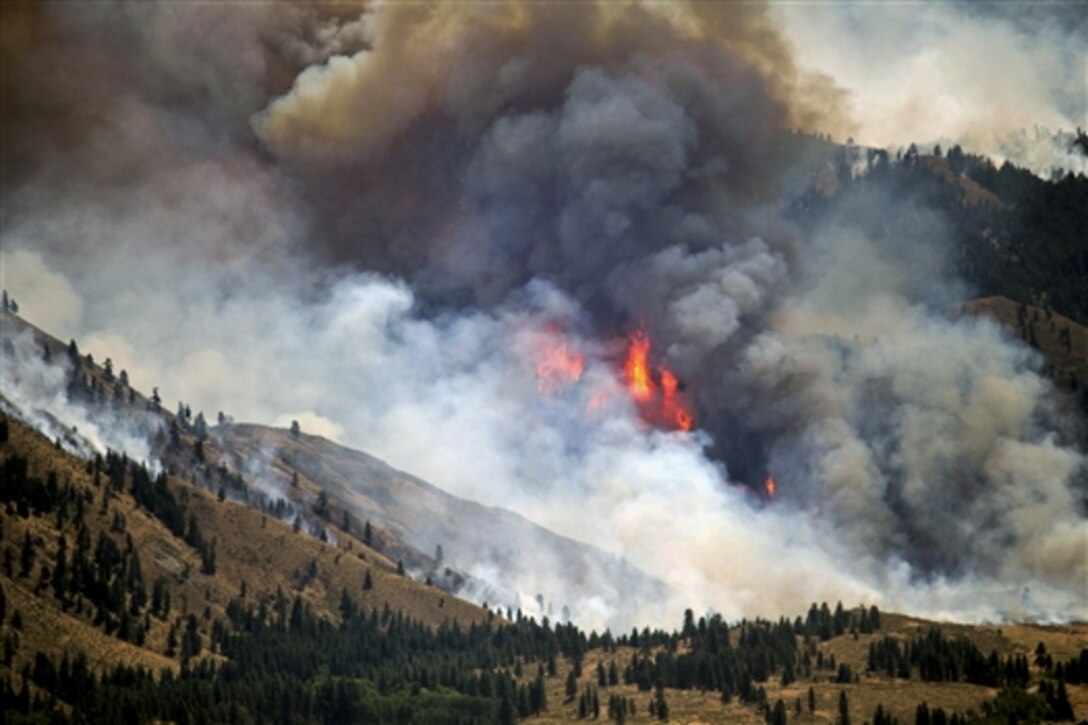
567	259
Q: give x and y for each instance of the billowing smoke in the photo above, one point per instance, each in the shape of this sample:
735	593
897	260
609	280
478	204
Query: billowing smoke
922	73
38	391
371	223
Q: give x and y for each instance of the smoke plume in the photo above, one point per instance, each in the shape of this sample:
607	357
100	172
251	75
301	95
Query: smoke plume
371	221
926	74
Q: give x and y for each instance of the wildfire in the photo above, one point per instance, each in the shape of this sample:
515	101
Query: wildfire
559	366
657	392
661	401
672	407
770	487
637	368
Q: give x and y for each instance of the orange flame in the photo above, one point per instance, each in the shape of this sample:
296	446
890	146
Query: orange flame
664	406
637	368
559	366
671	406
770	487
669	383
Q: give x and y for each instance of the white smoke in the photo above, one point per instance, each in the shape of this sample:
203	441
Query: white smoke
36	392
992	78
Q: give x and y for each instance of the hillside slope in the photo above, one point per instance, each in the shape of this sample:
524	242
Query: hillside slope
1062	342
225	552
469	537
487	554
245	618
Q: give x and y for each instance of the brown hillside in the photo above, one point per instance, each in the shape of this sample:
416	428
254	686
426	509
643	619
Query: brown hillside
410	518
255	553
421	516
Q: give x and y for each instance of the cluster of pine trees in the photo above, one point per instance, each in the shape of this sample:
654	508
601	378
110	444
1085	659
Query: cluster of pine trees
937	658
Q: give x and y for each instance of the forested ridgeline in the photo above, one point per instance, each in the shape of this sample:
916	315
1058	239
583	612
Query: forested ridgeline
1001	229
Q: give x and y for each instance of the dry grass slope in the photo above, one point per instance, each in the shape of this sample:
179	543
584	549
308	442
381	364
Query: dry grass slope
254	552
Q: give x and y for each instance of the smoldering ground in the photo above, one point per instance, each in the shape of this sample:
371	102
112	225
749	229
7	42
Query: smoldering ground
364	220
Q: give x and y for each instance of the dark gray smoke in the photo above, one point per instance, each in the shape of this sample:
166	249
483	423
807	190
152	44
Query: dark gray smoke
374	223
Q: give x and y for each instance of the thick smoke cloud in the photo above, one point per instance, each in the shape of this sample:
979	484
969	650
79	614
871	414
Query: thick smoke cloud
373	223
999	79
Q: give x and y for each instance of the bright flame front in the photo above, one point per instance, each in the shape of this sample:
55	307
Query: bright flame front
657	392
637	368
661	401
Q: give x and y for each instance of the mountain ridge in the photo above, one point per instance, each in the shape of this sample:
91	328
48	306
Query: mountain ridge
409	517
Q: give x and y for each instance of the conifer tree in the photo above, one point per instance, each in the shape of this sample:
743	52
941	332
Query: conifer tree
572	685
844	709
26	556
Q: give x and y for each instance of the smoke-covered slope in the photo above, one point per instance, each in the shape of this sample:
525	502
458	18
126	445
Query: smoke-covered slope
487	554
507	558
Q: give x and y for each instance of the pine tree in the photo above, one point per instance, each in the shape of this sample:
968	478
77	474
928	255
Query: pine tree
26	556
778	714
541	692
662	707
172	641
207	560
60	572
1063	710
844	709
